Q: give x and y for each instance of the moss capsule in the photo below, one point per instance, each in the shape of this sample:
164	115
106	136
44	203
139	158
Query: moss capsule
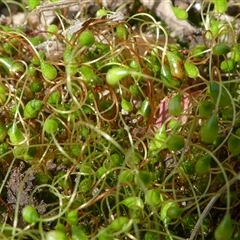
49	72
153	197
15	135
174	212
36	86
221	49
32	108
51	126
220	6
216	91
122	32
180	13
224	230
175	105
206	108
203	165
145	109
86	38
176	66
13	68
233	144
126	105
163	213
78	233
52	29
191	69
120	224
209	130
116	74
167	78
30	214
72	217
228	65
101	12
175	142
33	4
56	235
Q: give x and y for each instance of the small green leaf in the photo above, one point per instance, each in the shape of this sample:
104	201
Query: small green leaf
20	150
3	148
36	86
235	54
42	178
150	236
174	124
116	159
61	227
30	154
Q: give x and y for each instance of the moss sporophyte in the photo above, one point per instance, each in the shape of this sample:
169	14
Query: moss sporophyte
117	126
